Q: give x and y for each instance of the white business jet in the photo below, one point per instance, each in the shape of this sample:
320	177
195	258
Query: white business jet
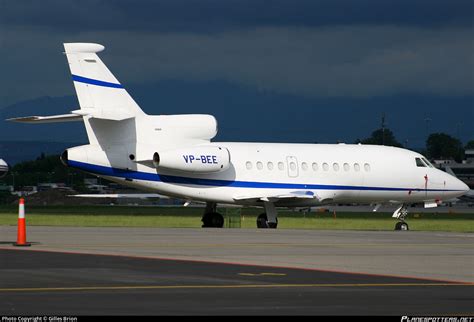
173	155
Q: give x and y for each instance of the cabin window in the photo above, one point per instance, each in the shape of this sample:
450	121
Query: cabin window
347	167
293	166
420	163
304	166
367	167
270	165
325	166
315	166
281	166
248	165
259	165
356	167
335	166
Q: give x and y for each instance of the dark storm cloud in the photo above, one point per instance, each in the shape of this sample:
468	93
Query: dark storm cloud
327	48
219	15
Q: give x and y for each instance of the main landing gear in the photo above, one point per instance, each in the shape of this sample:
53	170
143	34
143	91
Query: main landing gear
401	214
211	217
269	218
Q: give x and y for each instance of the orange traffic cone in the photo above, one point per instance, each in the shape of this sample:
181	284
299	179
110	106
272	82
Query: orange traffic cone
21	236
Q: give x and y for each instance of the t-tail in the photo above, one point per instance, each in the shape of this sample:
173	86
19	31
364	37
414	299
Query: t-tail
100	94
120	134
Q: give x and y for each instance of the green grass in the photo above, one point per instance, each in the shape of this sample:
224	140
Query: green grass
124	216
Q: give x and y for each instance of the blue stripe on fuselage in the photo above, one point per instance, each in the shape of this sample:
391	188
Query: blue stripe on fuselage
130	174
96	82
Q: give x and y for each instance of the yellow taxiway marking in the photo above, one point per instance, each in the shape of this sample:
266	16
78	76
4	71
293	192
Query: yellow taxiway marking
238	286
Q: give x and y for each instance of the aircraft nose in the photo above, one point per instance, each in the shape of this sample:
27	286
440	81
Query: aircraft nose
456	186
464	187
460	186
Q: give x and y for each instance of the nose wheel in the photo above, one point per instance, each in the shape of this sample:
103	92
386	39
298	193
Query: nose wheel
401	225
401	213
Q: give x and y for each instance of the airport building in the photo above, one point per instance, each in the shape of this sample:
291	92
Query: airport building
464	171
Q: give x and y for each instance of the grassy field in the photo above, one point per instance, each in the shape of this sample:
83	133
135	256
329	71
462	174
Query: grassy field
125	216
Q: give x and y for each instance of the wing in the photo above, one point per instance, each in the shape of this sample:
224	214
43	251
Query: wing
293	195
122	195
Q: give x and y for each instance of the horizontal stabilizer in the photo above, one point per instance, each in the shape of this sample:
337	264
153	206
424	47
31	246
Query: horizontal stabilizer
47	119
117	115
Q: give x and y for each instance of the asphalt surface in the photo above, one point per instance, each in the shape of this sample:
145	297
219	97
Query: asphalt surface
434	255
36	282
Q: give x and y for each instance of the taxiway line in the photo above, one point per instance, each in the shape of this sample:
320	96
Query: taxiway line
158	287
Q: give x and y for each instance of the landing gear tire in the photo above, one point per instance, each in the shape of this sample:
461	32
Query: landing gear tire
213	219
401	225
262	222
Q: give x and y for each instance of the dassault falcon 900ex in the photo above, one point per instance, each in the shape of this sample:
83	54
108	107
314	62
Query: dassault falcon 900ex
173	155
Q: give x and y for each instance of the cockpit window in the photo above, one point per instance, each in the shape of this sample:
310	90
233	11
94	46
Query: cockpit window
420	163
428	163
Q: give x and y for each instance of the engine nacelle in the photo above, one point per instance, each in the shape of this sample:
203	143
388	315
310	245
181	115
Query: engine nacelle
200	159
189	126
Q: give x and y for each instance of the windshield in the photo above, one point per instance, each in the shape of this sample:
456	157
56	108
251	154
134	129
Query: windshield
420	163
428	163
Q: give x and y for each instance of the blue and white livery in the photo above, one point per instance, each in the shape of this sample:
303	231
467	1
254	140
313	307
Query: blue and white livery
173	155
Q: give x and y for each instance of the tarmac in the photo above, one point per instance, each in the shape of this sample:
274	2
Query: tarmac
151	271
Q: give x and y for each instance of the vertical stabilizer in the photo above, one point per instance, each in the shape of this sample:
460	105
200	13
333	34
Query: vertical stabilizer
100	94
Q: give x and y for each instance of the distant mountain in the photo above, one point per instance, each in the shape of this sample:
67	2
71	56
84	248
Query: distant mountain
14	152
247	114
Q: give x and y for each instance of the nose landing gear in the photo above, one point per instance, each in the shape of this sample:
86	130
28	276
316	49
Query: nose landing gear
401	225
401	214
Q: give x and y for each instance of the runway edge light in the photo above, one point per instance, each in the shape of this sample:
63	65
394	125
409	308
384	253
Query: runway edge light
21	235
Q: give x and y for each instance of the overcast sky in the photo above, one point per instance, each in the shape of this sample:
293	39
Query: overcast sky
329	49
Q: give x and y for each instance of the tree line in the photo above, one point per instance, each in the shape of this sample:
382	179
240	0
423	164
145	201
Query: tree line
45	169
438	145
